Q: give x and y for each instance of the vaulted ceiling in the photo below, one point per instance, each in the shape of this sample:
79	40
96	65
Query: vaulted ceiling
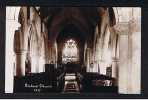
83	18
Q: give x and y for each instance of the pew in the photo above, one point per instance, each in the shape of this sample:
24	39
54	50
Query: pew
50	81
94	82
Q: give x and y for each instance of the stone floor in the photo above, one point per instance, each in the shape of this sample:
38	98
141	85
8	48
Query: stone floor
71	84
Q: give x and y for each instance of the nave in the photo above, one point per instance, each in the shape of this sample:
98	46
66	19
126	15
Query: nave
64	80
73	50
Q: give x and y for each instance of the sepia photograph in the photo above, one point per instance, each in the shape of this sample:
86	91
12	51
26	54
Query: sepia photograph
73	50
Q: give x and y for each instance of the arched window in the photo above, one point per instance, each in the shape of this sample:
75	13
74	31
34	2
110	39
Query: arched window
70	51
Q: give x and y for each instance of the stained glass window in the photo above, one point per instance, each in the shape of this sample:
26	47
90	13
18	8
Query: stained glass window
70	51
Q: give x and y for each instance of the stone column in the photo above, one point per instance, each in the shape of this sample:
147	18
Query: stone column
56	55
115	65
123	61
102	66
95	66
115	62
42	56
135	57
20	63
34	64
20	54
88	59
136	64
41	64
129	58
123	79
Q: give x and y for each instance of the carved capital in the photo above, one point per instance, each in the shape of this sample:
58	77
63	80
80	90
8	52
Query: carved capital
21	52
122	28
135	26
114	59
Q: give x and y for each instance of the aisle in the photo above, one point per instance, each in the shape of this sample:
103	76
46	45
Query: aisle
71	85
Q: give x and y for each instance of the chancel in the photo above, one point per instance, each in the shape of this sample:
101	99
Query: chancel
73	50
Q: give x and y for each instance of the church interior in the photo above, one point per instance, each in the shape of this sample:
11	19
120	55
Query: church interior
73	50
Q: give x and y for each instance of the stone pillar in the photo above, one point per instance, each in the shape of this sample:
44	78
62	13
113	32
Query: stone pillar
115	62
34	64
41	64
129	59
136	64
128	84
135	57
123	64
95	66
115	65
20	63
102	66
56	55
88	59
20	53
123	77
